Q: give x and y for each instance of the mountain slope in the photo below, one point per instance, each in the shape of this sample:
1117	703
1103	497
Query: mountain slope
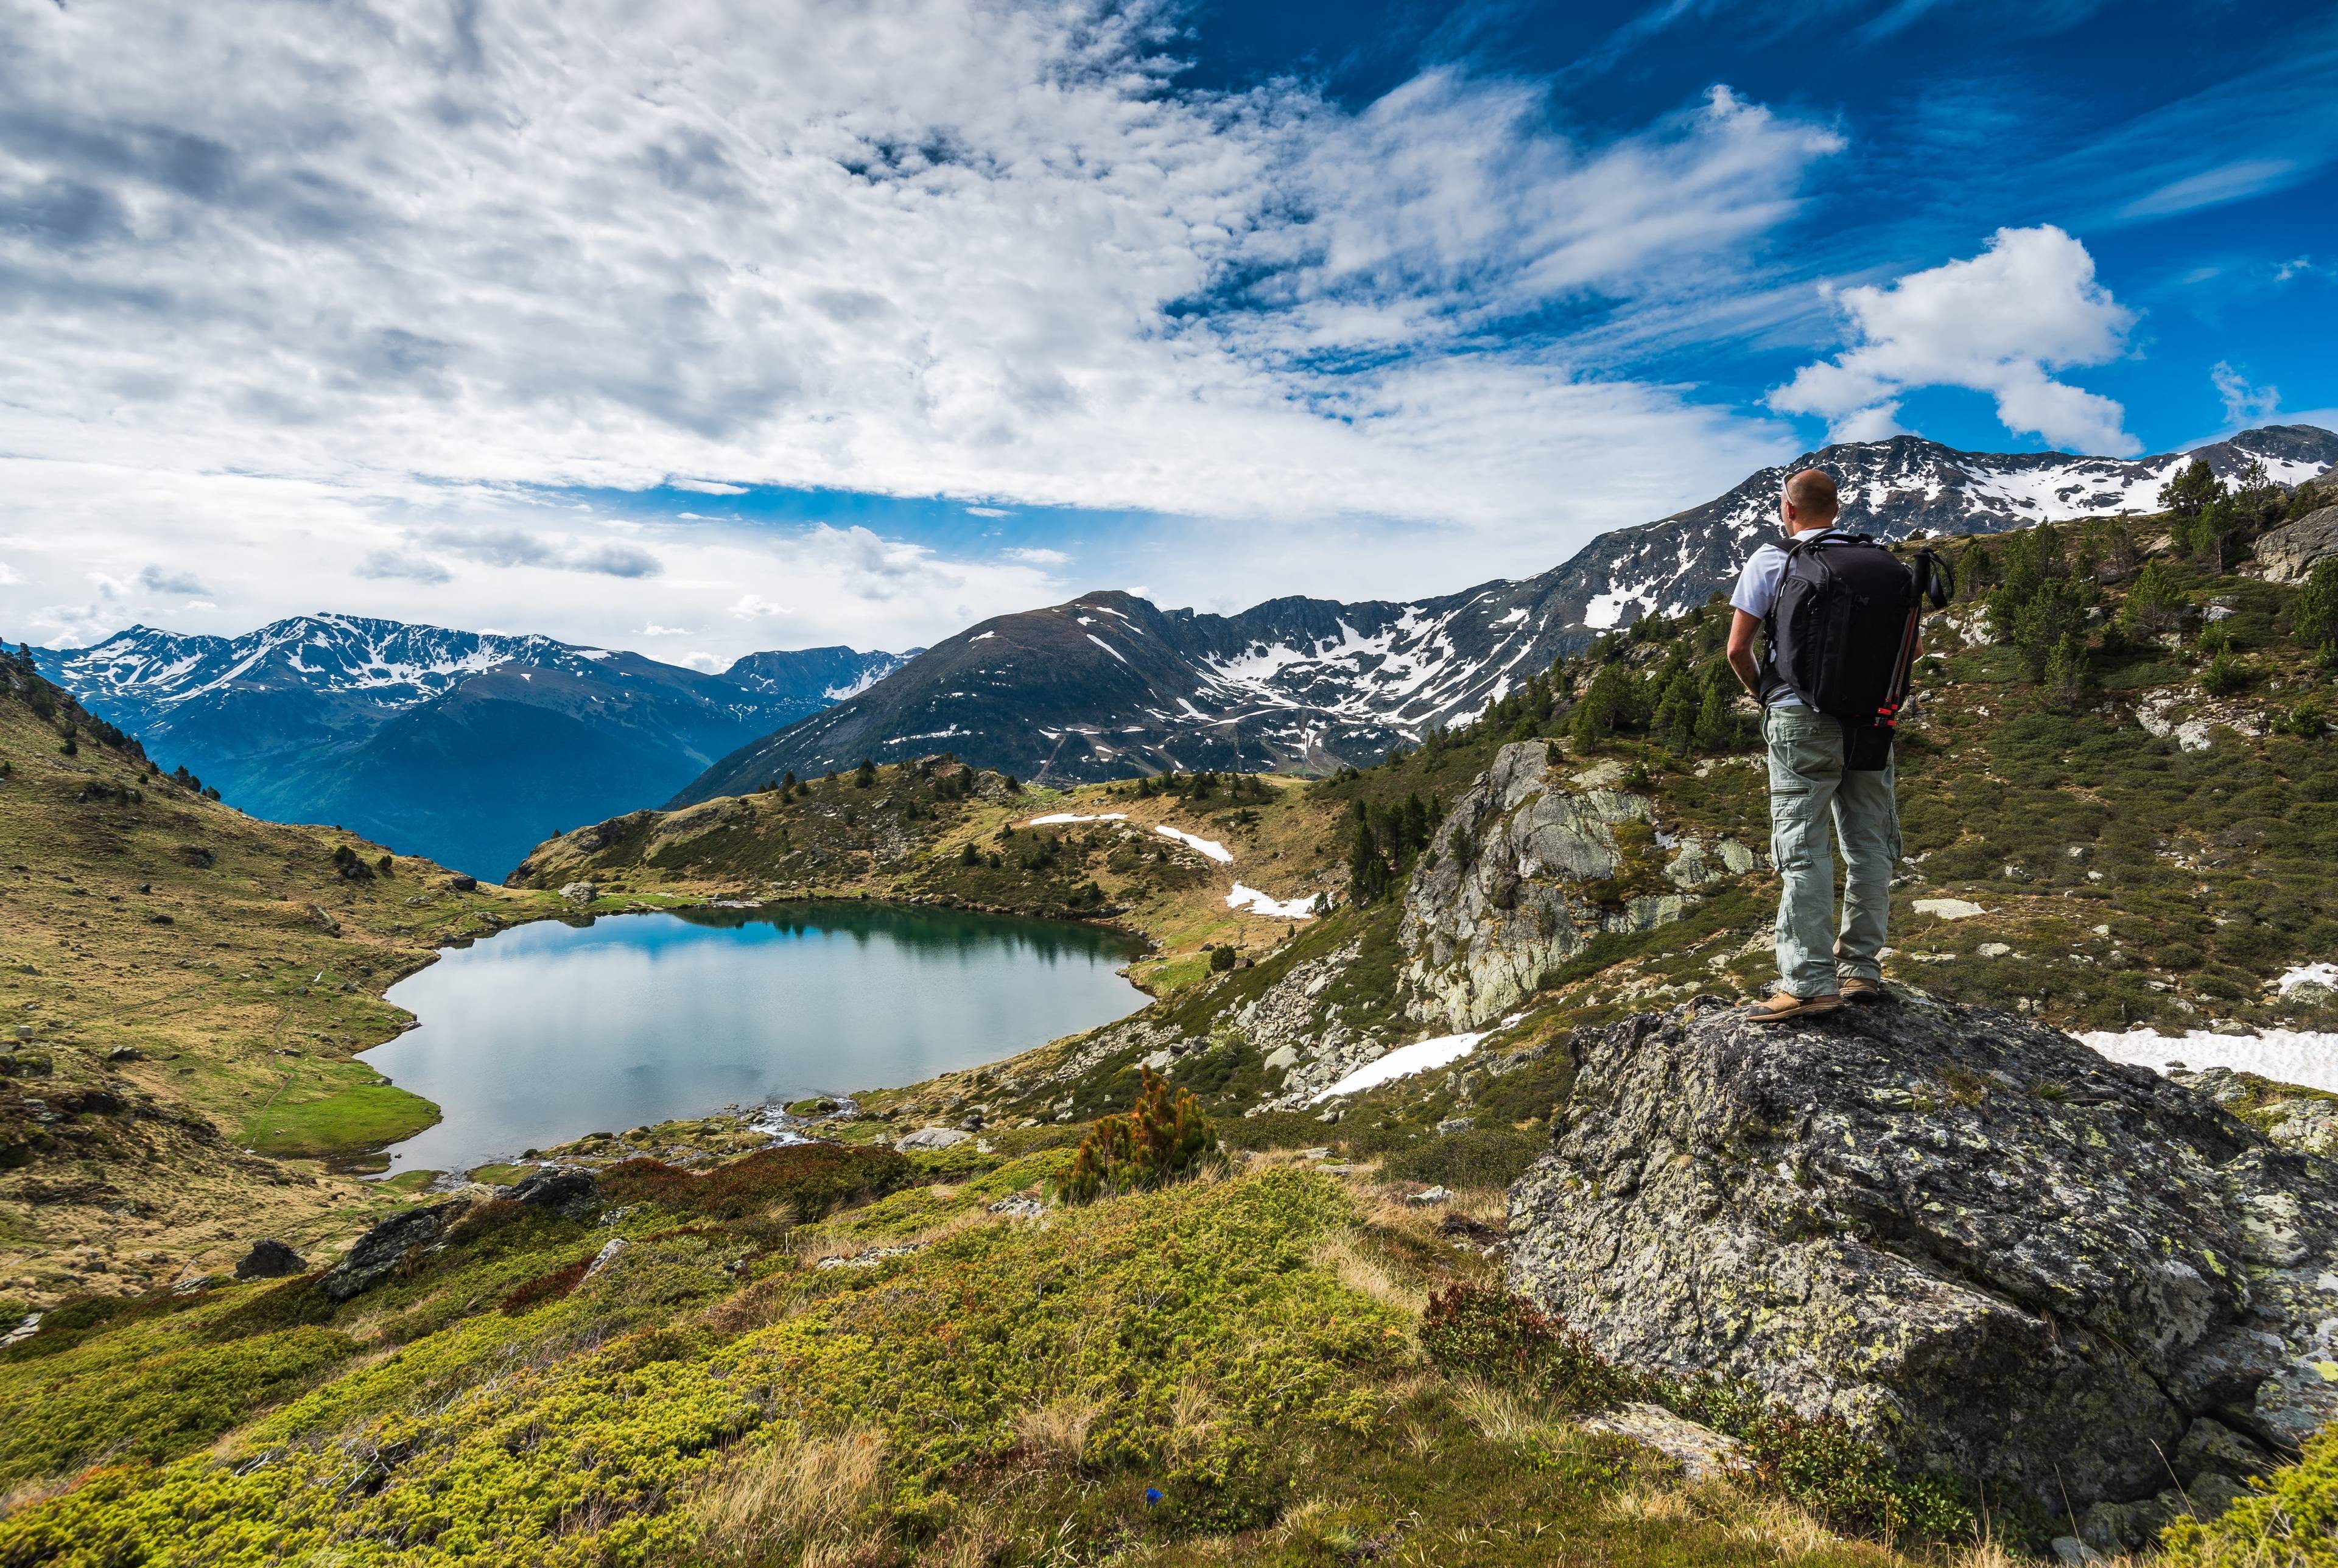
468	747
1109	685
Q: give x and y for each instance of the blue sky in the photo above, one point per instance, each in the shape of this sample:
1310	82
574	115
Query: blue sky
745	326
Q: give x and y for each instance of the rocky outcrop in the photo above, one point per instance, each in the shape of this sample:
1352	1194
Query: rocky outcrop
379	1252
2290	552
1532	863
269	1259
571	1194
1968	1236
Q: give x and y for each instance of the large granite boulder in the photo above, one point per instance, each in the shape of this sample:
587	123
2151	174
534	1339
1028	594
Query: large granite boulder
1968	1236
1535	860
2291	550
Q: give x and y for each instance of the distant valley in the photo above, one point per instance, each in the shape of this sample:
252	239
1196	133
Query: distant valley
464	747
1111	686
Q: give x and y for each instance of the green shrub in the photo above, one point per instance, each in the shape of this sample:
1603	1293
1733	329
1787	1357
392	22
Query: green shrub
1481	1157
1161	1140
1491	1333
1848	1481
2292	1523
289	1304
812	1180
2224	676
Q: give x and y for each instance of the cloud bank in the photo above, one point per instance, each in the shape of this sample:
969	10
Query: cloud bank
423	257
2001	323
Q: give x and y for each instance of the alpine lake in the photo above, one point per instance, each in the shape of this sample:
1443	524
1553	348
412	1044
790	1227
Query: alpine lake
550	1031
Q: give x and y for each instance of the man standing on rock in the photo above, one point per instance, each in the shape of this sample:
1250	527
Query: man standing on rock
1819	965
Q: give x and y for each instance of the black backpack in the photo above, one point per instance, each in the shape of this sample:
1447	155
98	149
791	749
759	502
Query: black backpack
1842	635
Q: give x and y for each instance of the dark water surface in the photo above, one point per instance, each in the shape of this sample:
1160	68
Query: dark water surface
548	1031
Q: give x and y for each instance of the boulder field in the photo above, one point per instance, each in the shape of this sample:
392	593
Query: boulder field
2062	1280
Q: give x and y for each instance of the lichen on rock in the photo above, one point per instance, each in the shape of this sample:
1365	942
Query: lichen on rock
1967	1236
1529	866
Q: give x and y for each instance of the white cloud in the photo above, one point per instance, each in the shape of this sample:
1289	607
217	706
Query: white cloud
956	248
1998	323
2243	403
155	580
653	630
990	511
1036	556
410	564
2214	187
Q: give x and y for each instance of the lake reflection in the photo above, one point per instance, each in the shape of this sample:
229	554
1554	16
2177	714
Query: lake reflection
549	1031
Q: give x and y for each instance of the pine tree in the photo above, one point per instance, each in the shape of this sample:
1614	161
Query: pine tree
2314	614
1676	710
1368	874
2066	673
2153	605
1717	715
2192	489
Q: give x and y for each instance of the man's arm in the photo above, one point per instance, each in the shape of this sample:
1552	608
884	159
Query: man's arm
1741	652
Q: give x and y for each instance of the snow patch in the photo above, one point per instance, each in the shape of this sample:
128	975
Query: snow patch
1052	818
1257	903
1209	847
1107	647
1421	1056
2303	1057
2323	975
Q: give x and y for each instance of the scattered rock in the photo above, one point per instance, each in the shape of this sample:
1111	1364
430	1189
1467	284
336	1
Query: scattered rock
1428	1196
1019	1207
269	1259
382	1249
1702	1452
1452	1124
2070	1548
579	892
126	1054
1967	1236
22	1331
1949	908
1992	950
870	1258
611	1250
571	1194
933	1138
461	884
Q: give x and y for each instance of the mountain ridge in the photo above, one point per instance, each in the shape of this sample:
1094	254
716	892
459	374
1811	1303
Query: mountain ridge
1108	685
465	746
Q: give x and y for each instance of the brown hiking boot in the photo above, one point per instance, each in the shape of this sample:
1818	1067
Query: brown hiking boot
1785	1005
1866	992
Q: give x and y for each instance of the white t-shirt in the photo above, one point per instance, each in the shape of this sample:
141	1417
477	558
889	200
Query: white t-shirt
1757	590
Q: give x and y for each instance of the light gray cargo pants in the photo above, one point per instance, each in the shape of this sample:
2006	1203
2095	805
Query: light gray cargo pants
1808	783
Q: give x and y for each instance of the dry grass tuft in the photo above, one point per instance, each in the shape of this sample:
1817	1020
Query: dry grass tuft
813	1494
18	1494
1057	1434
1651	1502
1501	1416
1359	1271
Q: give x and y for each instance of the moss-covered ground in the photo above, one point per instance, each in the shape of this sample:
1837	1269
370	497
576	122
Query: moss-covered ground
1228	1370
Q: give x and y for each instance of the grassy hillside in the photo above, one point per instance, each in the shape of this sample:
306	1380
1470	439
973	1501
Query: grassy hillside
182	991
1231	1370
938	831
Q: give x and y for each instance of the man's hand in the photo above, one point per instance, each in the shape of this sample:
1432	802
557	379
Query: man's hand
1741	652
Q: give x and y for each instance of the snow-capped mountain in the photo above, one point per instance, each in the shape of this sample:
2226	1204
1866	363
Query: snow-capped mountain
466	747
1110	685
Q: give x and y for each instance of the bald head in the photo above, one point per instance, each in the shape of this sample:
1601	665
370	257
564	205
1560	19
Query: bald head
1811	501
